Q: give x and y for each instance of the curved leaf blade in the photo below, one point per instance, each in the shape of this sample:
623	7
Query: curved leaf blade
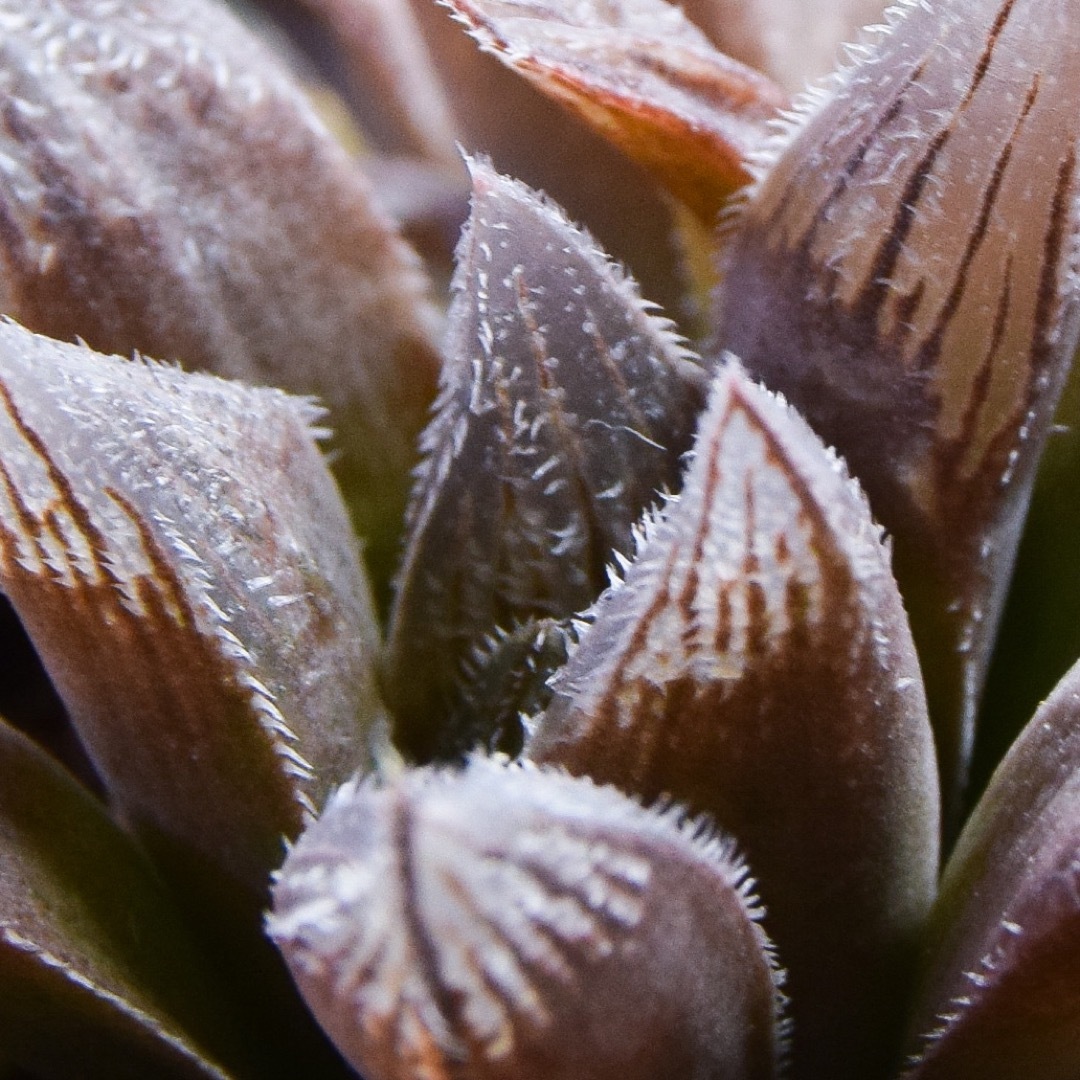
92	952
644	77
999	995
565	408
529	136
182	562
495	924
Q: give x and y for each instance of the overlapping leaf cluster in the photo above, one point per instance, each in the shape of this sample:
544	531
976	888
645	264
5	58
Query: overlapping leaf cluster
634	737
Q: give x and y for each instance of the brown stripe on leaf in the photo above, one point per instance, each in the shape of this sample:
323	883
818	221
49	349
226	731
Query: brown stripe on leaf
756	663
179	557
566	407
903	274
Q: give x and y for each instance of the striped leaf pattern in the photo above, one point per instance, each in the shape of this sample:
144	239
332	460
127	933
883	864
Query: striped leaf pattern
496	924
905	274
177	553
756	663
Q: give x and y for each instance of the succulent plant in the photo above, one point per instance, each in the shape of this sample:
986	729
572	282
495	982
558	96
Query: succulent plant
519	682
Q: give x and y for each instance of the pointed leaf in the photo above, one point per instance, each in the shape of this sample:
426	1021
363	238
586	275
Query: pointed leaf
165	188
905	275
505	681
646	78
516	924
180	558
756	663
92	953
1000	997
565	407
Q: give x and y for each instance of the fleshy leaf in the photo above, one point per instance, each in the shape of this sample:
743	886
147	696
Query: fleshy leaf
905	275
646	78
756	663
92	954
533	138
1039	638
565	407
501	922
179	556
1000	997
165	188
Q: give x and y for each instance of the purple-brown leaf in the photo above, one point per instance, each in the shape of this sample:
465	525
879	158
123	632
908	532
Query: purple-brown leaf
1000	996
646	78
92	950
905	275
756	663
507	923
566	407
182	562
165	188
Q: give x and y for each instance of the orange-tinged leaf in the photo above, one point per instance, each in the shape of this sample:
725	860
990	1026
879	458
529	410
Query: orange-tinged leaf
646	78
528	135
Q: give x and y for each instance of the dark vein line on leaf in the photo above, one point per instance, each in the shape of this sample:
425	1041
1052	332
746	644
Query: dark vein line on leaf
878	284
930	350
80	516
